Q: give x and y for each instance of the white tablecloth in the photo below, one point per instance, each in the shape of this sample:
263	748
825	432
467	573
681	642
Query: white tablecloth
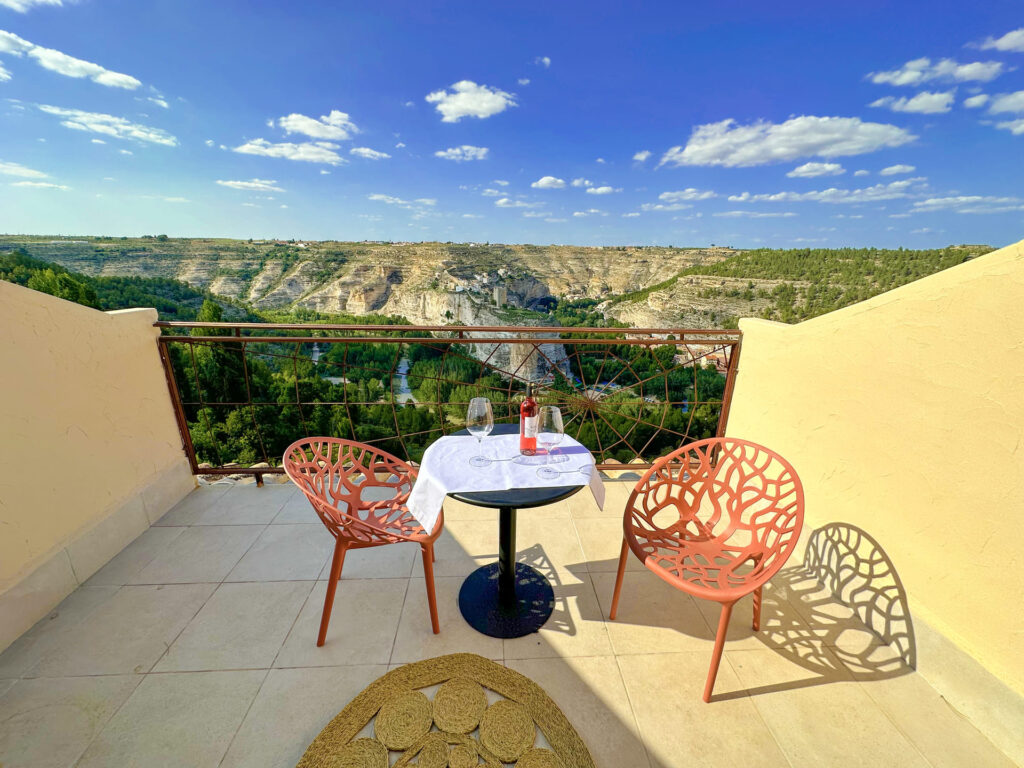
446	469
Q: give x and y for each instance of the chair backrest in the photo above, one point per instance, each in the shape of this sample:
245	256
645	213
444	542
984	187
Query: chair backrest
334	474
734	507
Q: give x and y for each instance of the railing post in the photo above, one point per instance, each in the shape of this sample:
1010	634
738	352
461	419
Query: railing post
179	411
730	383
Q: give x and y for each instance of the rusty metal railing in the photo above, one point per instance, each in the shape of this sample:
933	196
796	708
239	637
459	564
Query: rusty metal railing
243	391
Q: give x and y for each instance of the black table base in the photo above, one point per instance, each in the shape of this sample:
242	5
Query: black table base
531	603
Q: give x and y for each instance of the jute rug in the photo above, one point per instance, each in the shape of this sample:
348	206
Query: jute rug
461	725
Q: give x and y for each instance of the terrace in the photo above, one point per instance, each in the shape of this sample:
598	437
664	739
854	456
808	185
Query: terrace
150	617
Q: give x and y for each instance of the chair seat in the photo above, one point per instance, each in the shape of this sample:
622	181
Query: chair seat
707	569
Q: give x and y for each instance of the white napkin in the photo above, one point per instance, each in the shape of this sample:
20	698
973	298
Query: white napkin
446	469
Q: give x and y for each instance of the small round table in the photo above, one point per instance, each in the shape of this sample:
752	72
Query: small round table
506	598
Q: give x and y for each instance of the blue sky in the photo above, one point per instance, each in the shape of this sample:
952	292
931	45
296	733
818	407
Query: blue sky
746	123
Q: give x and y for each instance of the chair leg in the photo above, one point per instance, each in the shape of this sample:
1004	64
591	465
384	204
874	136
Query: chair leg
716	655
332	585
623	554
428	574
757	609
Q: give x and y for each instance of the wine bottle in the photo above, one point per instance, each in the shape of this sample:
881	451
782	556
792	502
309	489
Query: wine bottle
528	423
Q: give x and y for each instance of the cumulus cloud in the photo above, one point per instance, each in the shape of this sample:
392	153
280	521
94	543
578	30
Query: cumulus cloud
22	6
753	215
369	154
463	154
1016	127
392	200
549	182
894	170
467	99
589	212
500	182
63	64
605	190
472	216
336	126
21	171
306	151
39	184
1007	102
582	183
662	207
729	144
253	185
642	155
690	193
543	61
811	170
1011	41
492	193
924	103
109	125
891	191
508	202
632	215
923	70
862	172
523	81
969	204
973	102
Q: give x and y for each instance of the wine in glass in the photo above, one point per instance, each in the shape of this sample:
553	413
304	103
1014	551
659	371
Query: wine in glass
479	422
549	434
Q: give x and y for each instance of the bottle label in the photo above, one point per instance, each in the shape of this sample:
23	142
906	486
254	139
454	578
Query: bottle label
530	427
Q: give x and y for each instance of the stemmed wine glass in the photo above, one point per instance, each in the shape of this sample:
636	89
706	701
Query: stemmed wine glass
479	422
549	434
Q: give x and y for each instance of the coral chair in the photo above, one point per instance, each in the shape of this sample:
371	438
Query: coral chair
717	519
340	477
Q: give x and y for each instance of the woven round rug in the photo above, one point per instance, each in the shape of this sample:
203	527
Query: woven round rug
457	711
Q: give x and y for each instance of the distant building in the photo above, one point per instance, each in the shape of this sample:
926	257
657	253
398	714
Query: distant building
500	295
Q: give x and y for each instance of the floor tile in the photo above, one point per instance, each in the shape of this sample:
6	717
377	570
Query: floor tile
183	719
241	626
390	561
186	511
286	553
136	556
463	546
200	554
296	509
679	729
416	639
362	629
25	652
245	505
548	543
653	617
583	504
50	721
820	719
601	539
292	707
781	624
576	626
127	633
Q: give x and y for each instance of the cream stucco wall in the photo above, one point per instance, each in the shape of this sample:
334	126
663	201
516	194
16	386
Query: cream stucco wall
90	453
904	415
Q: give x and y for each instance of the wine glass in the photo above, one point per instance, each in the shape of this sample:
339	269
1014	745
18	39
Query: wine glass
479	422
549	434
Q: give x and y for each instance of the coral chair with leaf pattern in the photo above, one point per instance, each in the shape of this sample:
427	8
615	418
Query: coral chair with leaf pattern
341	478
717	519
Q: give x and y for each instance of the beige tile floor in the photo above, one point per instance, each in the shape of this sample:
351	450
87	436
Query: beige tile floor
195	647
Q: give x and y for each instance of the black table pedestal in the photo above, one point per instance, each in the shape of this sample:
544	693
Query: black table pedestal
506	598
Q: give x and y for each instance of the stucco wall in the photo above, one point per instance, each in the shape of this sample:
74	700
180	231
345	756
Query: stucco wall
89	450
904	415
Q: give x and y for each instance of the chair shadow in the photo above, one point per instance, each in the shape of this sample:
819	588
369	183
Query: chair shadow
561	620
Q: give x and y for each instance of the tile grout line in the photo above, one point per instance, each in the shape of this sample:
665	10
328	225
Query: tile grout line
398	624
241	721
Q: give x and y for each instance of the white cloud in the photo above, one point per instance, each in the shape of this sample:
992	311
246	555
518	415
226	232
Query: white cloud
5	74
543	61
16	169
812	170
862	172
969	204
523	81
500	182
63	64
492	193
753	215
209	142
535	214
548	182
467	99
891	191
507	202
109	125
399	145
973	102
40	184
463	154
1011	41
601	160
924	103
589	212
22	6
306	151
158	101
369	154
556	221
177	200
336	126
642	155
894	170
11	43
1016	127
605	190
729	144
125	152
582	183
923	70
324	172
472	216
1007	102
661	207
253	185
283	205
632	215
410	204
690	193
98	141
